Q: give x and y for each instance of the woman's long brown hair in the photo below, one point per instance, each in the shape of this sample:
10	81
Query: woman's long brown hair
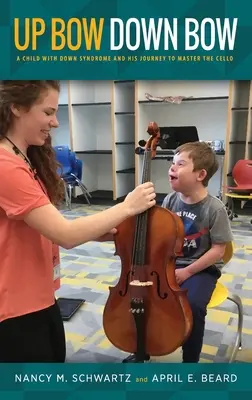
25	94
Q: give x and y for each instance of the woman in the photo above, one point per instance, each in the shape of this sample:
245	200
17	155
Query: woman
31	328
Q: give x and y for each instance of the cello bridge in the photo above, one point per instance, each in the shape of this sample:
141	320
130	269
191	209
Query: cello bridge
138	283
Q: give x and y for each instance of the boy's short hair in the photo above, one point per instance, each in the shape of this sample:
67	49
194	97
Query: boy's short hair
203	157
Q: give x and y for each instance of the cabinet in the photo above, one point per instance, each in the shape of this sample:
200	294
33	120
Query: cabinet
238	131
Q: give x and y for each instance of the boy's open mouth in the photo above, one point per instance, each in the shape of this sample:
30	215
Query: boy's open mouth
173	177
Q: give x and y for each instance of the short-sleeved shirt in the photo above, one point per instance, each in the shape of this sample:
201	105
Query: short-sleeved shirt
205	223
27	257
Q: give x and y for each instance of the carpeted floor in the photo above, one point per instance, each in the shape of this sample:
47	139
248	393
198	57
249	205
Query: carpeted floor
88	270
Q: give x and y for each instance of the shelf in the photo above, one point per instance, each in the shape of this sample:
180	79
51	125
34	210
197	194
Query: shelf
125	81
91	129
239	135
184	100
239	109
123	143
125	113
94	152
106	103
197	89
126	171
124	137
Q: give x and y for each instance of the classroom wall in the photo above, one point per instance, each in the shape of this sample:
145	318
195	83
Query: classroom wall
61	135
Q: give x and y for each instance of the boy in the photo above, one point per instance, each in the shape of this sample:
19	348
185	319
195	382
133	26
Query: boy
207	230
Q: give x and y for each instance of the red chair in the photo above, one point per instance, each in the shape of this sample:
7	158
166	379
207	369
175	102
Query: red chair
242	176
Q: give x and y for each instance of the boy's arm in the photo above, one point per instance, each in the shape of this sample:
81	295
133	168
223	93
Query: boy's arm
220	233
209	258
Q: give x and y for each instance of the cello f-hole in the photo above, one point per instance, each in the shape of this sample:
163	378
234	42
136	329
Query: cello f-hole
123	293
165	295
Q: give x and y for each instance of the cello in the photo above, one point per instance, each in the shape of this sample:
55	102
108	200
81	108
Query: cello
147	313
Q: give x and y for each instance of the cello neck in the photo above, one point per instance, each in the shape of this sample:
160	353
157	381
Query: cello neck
139	248
146	172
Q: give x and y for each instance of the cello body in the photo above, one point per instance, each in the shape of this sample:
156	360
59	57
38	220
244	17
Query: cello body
147	312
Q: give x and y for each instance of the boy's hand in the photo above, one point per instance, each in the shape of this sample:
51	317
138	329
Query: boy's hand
108	237
182	274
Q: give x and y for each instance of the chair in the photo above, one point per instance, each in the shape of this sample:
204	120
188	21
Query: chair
71	173
75	178
78	168
221	294
242	176
62	154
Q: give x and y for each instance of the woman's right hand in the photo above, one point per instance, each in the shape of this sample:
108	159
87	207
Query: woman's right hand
140	199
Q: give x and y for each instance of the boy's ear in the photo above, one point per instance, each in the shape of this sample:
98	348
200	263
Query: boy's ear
202	175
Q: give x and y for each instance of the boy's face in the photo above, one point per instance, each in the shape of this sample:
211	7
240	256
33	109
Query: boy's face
182	178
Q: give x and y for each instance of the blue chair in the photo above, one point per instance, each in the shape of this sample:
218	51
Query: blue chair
63	157
71	173
75	178
78	169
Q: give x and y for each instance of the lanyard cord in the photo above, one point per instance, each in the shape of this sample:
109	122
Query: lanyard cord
17	151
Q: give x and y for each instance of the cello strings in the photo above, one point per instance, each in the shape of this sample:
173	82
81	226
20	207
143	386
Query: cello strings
141	224
135	253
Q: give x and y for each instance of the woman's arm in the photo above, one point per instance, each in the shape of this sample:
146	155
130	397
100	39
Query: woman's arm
70	233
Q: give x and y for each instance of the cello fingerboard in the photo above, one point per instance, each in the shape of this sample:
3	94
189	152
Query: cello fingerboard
139	248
